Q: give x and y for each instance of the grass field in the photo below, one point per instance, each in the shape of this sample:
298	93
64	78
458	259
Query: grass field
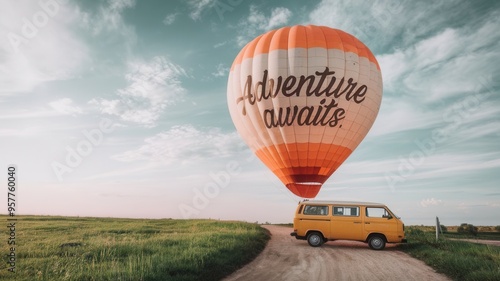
69	248
66	248
457	259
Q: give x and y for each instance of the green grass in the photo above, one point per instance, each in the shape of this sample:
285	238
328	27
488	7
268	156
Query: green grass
65	248
457	259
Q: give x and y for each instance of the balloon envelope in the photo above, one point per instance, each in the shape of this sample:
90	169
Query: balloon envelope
303	98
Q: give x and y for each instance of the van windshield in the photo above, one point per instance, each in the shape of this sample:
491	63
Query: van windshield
392	213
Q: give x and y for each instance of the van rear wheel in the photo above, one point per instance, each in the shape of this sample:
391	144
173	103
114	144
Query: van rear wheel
376	242
315	239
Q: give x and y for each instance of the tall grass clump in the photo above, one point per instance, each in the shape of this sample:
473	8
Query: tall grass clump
459	260
61	248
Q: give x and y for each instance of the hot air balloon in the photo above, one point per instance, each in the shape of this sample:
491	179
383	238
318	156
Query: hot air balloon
303	98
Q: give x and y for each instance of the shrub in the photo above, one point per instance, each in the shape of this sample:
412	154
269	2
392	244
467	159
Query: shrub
444	229
467	229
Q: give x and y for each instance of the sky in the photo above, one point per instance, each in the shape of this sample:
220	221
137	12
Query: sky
117	108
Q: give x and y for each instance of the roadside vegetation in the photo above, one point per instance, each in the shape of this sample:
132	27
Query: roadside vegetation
68	248
460	260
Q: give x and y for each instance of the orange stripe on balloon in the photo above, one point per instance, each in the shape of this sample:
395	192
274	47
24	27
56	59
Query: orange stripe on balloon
310	36
297	37
280	39
304	190
333	39
298	167
262	45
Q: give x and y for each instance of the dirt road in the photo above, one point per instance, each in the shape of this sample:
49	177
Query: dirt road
286	258
479	241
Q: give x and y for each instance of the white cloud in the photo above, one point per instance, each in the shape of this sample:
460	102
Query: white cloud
438	166
108	18
218	45
26	114
430	202
221	70
414	168
279	16
388	25
152	87
21	132
443	65
65	106
256	18
257	22
170	18
183	144
401	114
39	45
198	6
428	84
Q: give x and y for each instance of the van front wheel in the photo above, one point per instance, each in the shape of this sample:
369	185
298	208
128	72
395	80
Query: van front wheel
376	242
315	239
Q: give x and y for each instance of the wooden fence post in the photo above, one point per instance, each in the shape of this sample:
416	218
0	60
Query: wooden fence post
438	228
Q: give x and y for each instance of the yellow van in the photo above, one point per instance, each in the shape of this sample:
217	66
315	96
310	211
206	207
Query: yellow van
373	223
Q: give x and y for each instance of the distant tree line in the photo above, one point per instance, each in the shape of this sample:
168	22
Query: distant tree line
467	228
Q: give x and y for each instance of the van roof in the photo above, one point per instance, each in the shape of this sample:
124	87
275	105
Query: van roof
331	202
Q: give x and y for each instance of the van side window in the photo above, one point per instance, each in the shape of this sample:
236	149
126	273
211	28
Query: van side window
376	212
316	210
346	211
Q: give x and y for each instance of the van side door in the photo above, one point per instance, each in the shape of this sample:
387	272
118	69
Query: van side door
346	223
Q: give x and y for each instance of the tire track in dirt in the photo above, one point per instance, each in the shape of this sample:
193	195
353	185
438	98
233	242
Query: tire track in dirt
286	258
